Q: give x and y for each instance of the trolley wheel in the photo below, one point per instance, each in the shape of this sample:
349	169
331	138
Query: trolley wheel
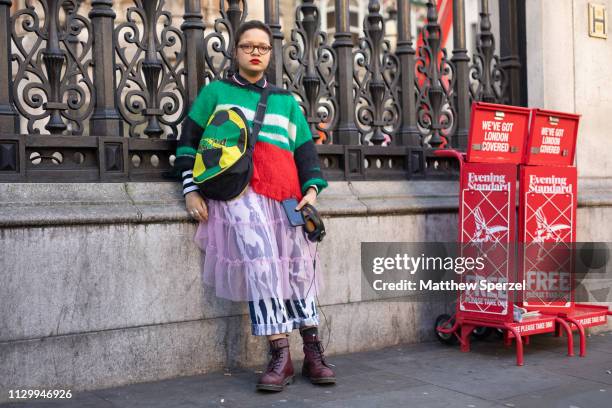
446	322
481	333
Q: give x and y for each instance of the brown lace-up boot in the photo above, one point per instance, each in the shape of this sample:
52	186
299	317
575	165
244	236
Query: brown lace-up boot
280	368
315	367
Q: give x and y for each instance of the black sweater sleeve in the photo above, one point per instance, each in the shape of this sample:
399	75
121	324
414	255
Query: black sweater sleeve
186	151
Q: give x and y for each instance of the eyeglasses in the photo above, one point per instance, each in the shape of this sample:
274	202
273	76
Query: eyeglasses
249	48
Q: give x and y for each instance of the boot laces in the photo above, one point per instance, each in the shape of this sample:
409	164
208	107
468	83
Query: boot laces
275	360
317	347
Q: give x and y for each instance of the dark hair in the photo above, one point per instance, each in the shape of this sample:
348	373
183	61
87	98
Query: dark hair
248	26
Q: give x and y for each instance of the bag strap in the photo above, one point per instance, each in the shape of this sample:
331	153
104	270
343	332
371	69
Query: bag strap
259	114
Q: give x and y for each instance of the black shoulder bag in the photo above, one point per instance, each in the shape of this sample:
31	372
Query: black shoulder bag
224	160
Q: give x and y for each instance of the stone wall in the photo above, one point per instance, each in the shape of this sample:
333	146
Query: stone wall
101	282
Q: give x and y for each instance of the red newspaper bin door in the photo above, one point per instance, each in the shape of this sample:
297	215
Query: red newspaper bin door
547	227
552	138
548	204
497	133
487	215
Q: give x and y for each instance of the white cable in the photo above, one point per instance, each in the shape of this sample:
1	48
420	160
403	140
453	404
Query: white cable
314	276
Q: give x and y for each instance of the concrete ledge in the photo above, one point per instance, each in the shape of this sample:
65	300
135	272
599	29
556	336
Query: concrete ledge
594	192
45	204
41	204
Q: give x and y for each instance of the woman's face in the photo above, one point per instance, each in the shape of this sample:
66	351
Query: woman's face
253	64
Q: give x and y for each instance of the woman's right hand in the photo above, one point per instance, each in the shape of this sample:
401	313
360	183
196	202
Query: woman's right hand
196	206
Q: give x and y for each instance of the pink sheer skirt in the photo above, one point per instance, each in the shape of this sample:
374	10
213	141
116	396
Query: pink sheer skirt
251	252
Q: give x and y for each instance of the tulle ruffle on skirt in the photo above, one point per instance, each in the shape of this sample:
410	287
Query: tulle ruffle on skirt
251	252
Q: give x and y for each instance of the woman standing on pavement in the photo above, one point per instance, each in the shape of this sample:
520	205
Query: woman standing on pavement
252	253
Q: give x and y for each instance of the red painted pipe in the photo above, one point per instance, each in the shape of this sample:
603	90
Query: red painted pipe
450	330
582	336
570	337
519	345
451	153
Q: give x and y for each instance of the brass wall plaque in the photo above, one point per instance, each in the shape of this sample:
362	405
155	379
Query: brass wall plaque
598	21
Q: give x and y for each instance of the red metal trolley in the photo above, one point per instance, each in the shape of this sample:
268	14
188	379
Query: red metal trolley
487	211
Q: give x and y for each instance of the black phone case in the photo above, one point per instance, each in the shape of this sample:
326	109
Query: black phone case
295	217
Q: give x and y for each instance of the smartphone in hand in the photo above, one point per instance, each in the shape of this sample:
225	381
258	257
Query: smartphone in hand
295	217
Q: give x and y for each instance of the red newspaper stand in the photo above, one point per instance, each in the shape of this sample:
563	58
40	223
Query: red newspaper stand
487	227
547	225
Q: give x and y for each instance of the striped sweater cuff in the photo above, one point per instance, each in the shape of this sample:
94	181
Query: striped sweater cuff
315	188
188	184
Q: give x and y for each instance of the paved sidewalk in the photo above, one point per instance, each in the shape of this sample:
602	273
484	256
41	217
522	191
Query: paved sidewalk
418	375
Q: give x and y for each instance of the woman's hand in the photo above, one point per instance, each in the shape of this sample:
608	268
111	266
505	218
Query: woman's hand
310	197
196	206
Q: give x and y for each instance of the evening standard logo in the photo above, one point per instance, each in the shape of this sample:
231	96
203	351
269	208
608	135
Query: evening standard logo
547	232
484	232
488	182
549	185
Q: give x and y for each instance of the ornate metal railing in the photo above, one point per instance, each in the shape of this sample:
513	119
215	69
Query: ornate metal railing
87	95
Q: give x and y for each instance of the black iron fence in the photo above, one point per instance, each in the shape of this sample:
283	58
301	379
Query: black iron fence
85	96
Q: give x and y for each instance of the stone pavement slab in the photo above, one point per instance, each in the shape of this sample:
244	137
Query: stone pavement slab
415	375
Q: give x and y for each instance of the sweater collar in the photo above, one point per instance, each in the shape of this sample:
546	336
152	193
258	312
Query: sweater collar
261	83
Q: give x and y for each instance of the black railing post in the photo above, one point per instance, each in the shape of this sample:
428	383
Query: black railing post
193	29
408	133
346	131
490	78
374	30
71	42
435	93
54	60
234	16
275	69
509	49
461	61
486	48
435	107
310	80
105	119
151	69
9	120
